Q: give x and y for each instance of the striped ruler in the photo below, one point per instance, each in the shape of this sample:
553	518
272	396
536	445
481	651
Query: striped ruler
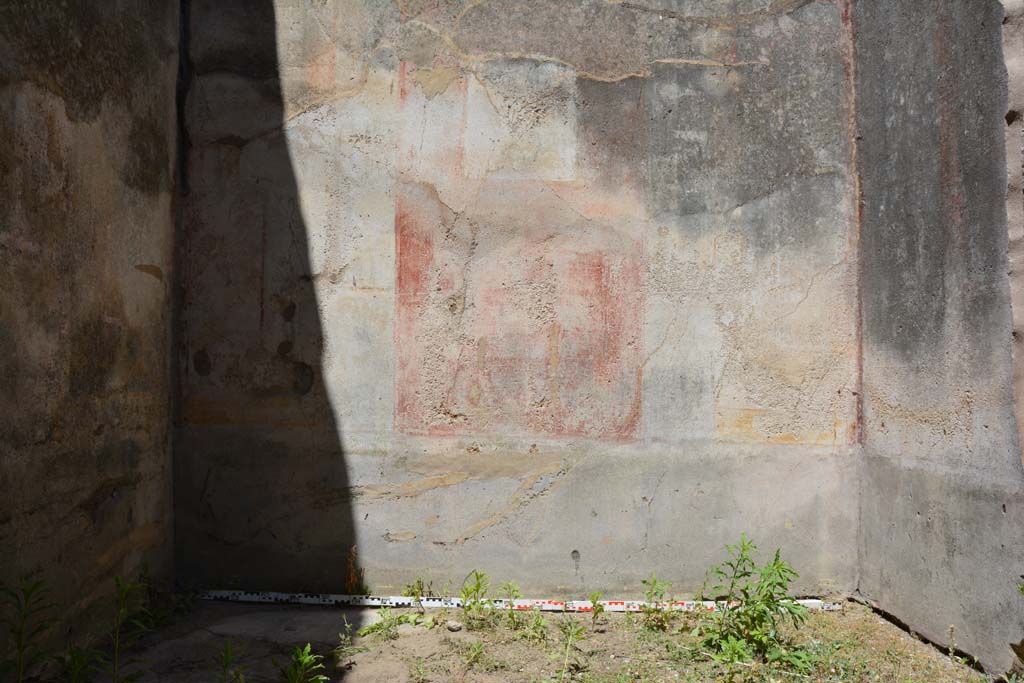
456	603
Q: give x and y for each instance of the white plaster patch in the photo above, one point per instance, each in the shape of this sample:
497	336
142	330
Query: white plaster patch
521	123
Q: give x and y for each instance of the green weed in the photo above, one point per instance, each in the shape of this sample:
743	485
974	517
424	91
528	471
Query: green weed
511	592
595	601
656	617
570	629
419	589
571	632
79	665
418	671
26	626
387	627
475	604
536	629
126	629
346	648
474	656
230	672
750	629
303	667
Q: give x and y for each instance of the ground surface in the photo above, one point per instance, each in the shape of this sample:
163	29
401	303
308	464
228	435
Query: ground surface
852	645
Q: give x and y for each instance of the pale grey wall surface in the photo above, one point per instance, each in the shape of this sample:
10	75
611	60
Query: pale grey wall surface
942	497
468	298
86	242
1013	53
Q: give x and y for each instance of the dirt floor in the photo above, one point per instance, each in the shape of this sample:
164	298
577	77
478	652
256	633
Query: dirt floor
852	645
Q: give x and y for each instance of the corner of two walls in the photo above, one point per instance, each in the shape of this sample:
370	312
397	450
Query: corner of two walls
86	250
343	364
942	495
289	338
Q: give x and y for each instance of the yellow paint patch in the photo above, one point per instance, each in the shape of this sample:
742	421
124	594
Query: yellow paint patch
412	488
757	425
150	269
435	81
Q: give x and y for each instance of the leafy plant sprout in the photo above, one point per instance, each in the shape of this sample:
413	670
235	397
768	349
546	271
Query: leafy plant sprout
229	671
346	648
571	632
597	607
125	595
536	630
755	604
475	603
26	626
386	628
419	589
656	617
78	664
303	667
511	592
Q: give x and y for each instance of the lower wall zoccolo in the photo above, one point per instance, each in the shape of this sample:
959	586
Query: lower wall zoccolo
942	486
943	554
567	521
559	521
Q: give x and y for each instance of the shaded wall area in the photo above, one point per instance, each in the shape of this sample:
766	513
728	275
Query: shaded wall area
262	494
942	497
86	242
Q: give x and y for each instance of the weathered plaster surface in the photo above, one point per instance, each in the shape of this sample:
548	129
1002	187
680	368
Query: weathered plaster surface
942	501
568	292
1013	53
447	284
86	230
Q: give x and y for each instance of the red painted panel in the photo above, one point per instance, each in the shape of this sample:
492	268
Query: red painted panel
523	326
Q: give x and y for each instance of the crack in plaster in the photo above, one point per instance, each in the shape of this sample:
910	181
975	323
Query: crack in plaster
775	8
469	61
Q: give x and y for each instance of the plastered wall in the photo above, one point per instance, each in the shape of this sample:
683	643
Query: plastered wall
942	498
448	284
1013	52
568	292
88	135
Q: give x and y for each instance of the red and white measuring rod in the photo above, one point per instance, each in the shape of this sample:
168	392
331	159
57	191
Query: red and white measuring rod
456	603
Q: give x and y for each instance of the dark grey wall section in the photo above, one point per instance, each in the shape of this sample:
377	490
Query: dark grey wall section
87	140
941	505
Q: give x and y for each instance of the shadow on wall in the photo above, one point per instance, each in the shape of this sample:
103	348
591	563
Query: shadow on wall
261	485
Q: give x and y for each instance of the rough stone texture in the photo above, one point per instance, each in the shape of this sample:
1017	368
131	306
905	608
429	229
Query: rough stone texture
453	283
86	230
942	499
